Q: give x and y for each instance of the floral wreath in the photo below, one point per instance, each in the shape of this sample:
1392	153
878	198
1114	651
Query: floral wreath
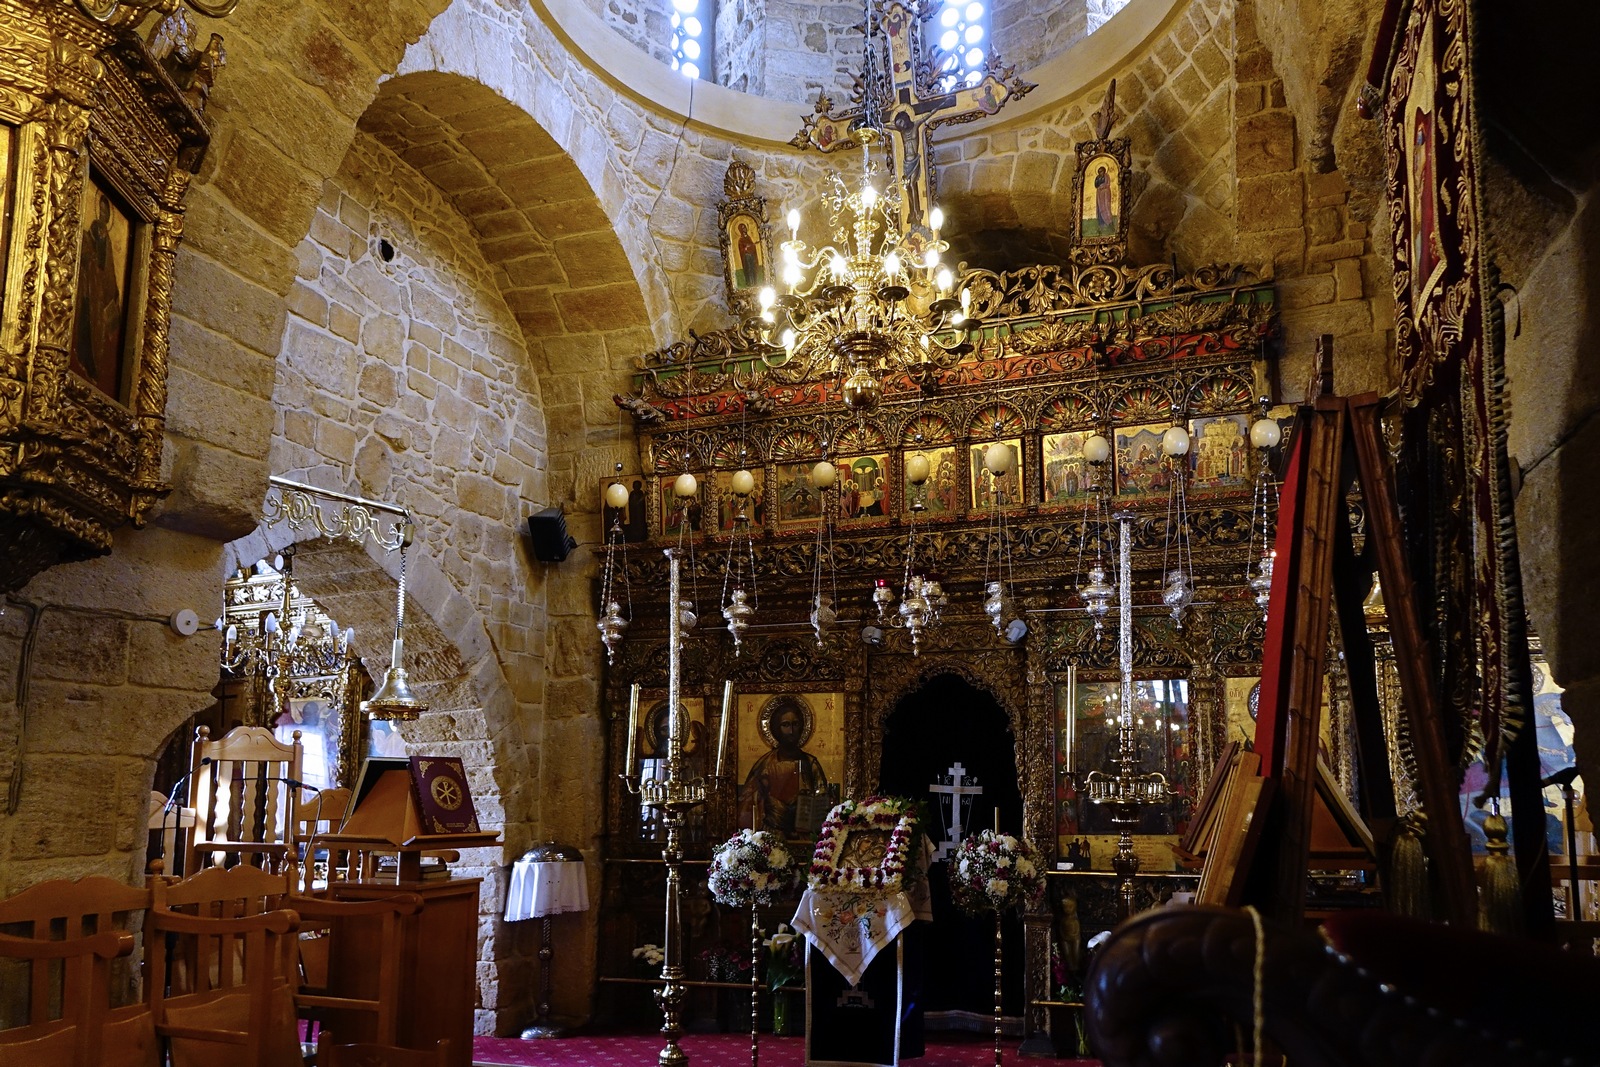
896	815
992	872
752	867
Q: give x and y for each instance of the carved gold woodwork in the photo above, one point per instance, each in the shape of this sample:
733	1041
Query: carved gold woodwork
84	111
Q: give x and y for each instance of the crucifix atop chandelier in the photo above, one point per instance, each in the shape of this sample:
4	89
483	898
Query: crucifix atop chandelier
877	301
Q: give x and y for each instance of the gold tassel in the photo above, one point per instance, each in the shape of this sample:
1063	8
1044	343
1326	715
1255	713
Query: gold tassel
1500	904
1408	870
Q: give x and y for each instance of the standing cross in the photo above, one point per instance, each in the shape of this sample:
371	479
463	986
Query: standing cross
959	792
909	106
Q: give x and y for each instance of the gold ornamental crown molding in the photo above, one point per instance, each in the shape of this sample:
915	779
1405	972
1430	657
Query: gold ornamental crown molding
102	135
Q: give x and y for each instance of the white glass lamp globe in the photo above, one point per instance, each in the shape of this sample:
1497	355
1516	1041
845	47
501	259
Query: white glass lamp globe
917	469
1096	449
1265	433
1175	442
823	475
998	459
617	495
686	485
743	482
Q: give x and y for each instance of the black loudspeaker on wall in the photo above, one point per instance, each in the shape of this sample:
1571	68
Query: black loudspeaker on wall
551	542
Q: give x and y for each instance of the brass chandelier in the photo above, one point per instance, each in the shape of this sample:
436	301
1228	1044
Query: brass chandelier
873	304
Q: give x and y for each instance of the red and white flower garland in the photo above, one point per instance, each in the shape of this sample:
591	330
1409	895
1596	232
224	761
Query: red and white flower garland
893	814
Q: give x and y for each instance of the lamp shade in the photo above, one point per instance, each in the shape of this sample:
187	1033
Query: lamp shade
549	879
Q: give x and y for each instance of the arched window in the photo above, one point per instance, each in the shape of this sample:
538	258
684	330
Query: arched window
691	36
1100	12
960	36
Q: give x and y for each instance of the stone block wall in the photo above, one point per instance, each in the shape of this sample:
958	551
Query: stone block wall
1222	175
740	61
104	680
1025	35
404	377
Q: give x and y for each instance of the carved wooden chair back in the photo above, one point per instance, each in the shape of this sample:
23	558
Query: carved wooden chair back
218	950
60	947
242	787
331	1055
169	825
321	813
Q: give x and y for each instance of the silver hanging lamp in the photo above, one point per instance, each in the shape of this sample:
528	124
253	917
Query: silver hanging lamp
394	698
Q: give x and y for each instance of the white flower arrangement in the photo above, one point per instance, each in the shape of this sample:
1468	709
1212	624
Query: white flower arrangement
895	815
752	867
649	955
994	871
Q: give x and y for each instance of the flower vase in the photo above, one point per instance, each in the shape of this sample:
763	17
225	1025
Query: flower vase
787	1014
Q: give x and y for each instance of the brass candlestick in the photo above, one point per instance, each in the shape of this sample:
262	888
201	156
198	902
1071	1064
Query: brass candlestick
675	795
1124	788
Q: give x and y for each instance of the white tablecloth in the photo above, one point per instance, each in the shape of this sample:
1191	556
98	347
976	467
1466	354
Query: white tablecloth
540	889
849	929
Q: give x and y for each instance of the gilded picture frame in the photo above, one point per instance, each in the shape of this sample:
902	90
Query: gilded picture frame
745	239
1100	201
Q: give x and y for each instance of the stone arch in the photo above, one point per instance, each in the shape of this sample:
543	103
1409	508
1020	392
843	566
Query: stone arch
563	106
561	267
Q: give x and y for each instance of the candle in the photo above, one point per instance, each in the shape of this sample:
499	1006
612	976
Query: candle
997	820
722	728
633	728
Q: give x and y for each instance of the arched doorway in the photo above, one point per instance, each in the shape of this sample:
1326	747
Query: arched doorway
944	722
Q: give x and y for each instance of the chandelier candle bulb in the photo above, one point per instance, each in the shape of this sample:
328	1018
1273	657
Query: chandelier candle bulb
722	726
1265	433
823	475
793	219
998	458
686	485
917	469
1097	449
617	495
743	482
936	220
1175	442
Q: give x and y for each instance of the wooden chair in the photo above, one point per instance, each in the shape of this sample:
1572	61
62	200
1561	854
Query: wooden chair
321	813
331	1055
242	788
348	970
65	936
169	825
219	950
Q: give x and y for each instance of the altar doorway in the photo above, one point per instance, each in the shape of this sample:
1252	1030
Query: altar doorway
945	722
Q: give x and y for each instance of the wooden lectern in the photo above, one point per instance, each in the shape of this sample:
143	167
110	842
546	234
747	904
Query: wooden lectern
438	950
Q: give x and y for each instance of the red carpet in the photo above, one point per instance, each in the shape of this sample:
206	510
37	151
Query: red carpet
722	1050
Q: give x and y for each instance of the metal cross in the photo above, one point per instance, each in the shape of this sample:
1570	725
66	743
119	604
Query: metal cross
908	105
961	793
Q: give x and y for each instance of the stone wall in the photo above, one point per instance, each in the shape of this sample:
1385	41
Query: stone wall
740	59
105	680
1546	239
1222	175
1024	35
404	377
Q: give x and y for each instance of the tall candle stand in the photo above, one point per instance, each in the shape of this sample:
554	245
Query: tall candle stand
1124	789
675	796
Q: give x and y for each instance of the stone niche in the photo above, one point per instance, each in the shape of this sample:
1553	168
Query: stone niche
99	141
